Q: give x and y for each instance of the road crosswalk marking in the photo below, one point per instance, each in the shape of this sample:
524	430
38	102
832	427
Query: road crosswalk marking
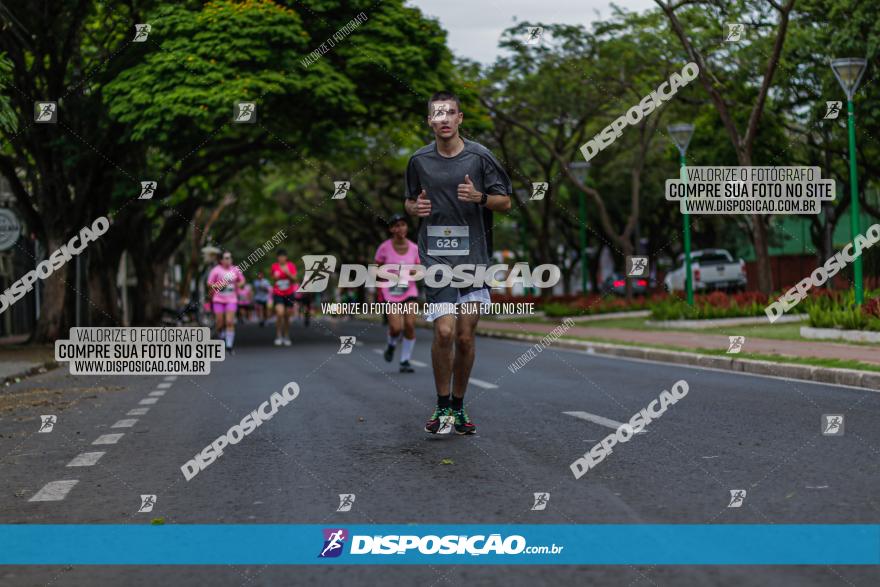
137	412
148	401
127	423
108	438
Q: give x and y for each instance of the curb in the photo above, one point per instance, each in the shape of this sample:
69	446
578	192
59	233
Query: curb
865	379
35	370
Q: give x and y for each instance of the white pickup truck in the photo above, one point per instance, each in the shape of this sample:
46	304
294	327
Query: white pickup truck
712	269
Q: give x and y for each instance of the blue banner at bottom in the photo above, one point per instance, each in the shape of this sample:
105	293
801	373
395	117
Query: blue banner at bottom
482	544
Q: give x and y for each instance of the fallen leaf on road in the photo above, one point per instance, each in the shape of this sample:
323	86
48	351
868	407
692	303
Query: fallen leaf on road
158	521
447	462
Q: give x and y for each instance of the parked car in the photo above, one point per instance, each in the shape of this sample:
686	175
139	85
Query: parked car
711	269
616	284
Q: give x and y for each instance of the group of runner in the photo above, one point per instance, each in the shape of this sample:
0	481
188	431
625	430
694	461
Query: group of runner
226	282
453	186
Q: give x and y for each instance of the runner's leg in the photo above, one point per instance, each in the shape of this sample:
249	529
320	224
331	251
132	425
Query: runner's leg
442	352
230	328
279	319
409	338
465	327
395	327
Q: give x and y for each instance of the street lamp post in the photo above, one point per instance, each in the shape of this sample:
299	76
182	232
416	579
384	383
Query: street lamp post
849	73
579	170
681	135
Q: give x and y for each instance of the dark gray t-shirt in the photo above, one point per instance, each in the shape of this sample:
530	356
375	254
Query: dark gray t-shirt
439	176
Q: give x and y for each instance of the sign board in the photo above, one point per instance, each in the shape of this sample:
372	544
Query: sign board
10	229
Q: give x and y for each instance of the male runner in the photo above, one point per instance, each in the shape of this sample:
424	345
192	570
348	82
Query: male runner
283	273
399	250
262	289
454	185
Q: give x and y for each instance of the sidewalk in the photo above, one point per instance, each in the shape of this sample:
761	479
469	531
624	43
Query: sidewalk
696	340
20	360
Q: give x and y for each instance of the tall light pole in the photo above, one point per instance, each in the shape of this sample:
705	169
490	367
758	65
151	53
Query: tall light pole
849	73
579	169
681	135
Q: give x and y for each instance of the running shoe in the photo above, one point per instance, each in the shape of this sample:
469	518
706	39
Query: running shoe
278	342
433	425
389	353
286	341
405	367
463	424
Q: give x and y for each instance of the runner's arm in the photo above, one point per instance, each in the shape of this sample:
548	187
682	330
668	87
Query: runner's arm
498	203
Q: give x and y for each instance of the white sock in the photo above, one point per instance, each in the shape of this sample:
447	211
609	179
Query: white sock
393	341
406	351
230	337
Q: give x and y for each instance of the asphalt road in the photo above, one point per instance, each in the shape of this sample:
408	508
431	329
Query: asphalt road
356	428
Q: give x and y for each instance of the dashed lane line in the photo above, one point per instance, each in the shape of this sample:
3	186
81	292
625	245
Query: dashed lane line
54	490
109	438
601	420
137	412
86	459
148	401
158	393
163	386
126	423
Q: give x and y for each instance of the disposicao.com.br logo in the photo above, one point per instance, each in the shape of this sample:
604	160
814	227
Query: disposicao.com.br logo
319	269
431	544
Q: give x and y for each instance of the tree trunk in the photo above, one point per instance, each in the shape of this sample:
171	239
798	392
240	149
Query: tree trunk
147	299
759	239
54	320
103	267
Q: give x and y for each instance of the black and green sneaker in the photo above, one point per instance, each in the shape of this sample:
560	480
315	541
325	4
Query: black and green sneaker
405	367
439	419
463	424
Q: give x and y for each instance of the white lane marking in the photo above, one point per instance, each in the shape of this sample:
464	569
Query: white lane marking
54	490
171	378
137	412
163	386
158	393
127	423
109	438
148	401
86	459
483	384
601	420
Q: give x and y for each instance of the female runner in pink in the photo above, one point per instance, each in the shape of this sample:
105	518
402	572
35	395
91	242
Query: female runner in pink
224	281
400	250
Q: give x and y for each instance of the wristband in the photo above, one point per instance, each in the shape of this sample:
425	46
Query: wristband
484	199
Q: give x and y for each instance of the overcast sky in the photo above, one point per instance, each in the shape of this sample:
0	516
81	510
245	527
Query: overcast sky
474	26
